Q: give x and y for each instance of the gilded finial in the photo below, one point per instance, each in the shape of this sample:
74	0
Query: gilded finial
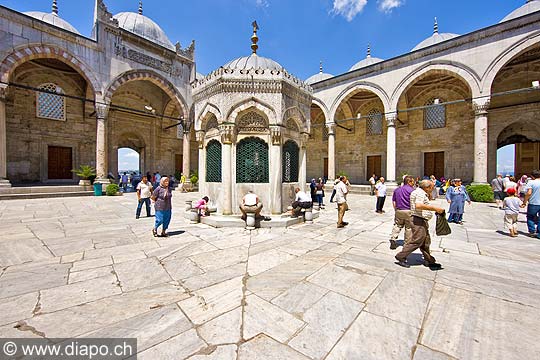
140	7
368	51
320	66
55	7
254	37
436	27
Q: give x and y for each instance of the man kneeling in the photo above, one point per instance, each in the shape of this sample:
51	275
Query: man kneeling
302	201
251	204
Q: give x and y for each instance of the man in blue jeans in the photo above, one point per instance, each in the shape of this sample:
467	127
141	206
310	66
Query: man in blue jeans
532	200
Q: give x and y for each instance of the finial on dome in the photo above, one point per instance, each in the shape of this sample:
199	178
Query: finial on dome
254	37
436	27
368	51
55	7
140	7
320	66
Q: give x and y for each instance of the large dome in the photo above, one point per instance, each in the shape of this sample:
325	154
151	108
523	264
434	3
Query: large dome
435	38
53	19
144	27
253	61
366	62
528	8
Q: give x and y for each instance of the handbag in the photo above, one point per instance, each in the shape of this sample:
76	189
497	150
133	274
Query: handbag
441	226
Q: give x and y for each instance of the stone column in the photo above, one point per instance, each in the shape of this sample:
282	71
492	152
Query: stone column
302	173
4	182
331	151
226	131
102	111
186	155
202	161
480	107
276	173
391	147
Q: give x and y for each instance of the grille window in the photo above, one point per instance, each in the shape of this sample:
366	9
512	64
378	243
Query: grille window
374	124
434	114
290	161
252	161
49	105
213	161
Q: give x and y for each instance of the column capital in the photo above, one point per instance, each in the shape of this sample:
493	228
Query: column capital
3	92
481	106
331	128
304	138
391	119
226	131
102	110
200	138
275	133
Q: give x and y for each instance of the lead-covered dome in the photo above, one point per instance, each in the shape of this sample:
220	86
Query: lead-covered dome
320	76
435	38
530	7
143	26
367	61
53	19
253	61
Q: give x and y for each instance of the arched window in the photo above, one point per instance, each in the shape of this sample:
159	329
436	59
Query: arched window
252	161
434	114
213	161
374	124
48	104
290	161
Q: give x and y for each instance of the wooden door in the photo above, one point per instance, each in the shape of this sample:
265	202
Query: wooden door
434	164
373	166
59	163
325	169
179	162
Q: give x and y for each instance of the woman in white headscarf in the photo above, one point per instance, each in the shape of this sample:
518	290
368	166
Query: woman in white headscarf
162	197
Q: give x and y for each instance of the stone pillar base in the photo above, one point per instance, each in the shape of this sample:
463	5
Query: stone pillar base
250	221
4	183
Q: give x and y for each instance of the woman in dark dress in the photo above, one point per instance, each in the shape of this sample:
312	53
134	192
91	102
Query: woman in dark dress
162	197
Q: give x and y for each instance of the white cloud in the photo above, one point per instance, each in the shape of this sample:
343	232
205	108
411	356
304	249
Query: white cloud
388	5
132	154
262	3
348	8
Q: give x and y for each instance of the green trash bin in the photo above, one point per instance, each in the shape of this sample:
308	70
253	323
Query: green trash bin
98	189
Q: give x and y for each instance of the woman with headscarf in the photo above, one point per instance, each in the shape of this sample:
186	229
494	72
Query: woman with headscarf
522	187
456	196
162	197
319	192
312	187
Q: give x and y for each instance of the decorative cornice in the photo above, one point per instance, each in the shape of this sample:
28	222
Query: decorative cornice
481	106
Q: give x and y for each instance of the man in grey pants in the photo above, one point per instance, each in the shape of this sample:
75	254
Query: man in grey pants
401	199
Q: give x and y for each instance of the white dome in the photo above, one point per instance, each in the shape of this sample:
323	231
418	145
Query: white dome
435	38
52	19
144	27
528	8
320	76
253	61
366	62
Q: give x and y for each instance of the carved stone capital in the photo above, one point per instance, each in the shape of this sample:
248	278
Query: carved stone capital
391	119
331	128
3	92
226	131
304	138
275	132
481	106
102	110
200	138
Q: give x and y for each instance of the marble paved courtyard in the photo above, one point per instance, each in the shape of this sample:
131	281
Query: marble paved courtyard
85	267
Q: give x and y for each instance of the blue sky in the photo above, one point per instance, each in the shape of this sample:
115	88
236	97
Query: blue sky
296	33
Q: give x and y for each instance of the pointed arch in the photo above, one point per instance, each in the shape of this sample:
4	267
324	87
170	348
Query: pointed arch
266	109
208	108
354	88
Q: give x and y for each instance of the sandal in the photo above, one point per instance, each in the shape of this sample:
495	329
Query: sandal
154	232
164	234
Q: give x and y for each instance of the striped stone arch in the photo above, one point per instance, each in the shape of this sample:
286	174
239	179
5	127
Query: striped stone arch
24	54
156	79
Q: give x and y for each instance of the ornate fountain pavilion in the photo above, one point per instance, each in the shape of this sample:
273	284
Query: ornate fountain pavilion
444	108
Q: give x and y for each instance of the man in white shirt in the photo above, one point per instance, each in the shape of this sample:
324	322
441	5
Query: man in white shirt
372	181
251	203
341	199
380	191
421	212
144	191
301	201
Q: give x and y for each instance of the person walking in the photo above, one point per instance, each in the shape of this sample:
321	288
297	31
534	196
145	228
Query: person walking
401	200
124	180
319	191
162	197
158	179
380	192
497	185
144	192
341	199
421	212
522	187
532	201
372	180
456	197
336	182
510	184
511	211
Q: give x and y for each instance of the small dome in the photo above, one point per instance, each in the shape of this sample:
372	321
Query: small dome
435	38
318	77
52	19
366	62
144	27
528	8
253	61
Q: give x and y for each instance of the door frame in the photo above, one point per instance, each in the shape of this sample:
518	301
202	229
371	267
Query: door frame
44	163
